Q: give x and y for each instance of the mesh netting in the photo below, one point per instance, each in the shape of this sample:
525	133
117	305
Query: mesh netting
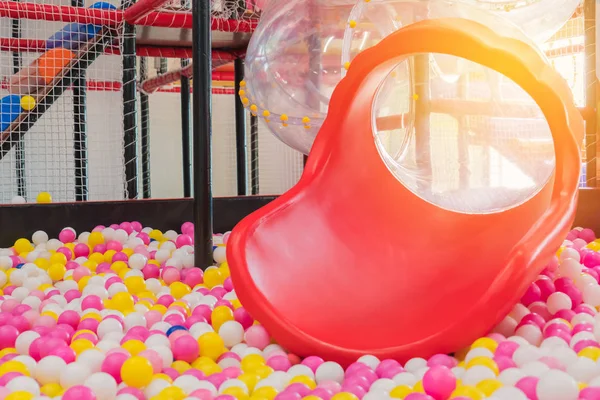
62	109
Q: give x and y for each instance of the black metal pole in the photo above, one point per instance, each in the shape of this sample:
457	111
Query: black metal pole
186	142
254	176
591	100
129	108
80	131
202	72
241	151
20	146
145	131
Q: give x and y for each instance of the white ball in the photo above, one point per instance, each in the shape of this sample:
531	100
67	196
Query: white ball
162	255
200	328
591	295
232	333
329	371
525	354
103	385
233	383
570	253
74	374
506	327
155	387
518	312
509	393
24	340
531	333
300	369
229	362
415	364
571	268
369	360
5	263
565	355
458	372
165	354
126	396
208	386
53	245
27	360
510	376
220	254
476	374
237	349
376	395
559	301
553	342
25	384
583	370
187	383
157	340
137	261
382	385
121	236
18	200
134	319
557	385
92	359
405	378
534	368
115	288
478	352
49	369
161	326
17	277
39	237
3	278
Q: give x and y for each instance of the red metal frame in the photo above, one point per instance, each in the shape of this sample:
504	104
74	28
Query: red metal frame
142	8
111	18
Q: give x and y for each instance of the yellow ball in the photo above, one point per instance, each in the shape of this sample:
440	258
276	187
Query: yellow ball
213	277
51	389
179	289
95	238
164	377
14	366
266	392
484	361
172	393
344	396
489	386
8	350
92	315
181	366
155	234
122	301
252	362
27	103
209	368
56	272
134	346
590	352
485	343
127	252
108	255
81	345
23	245
468	391
311	397
400	392
136	372
263	371
418	388
220	315
211	345
58	258
20	395
135	284
250	380
305	380
42	263
237	392
44	198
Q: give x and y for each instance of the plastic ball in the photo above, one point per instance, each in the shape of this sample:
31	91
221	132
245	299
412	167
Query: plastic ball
557	385
44	198
136	372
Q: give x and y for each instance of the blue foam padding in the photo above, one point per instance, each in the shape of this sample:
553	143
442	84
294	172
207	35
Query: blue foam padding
74	35
10	108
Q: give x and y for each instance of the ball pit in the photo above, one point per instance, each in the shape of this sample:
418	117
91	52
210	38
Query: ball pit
119	313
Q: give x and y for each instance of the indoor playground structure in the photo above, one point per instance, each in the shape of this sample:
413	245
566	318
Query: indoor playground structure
382	199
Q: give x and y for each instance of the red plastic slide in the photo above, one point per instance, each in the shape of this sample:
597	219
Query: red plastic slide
350	262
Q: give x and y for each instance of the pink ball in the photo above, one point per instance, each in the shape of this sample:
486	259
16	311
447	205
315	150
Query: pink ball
100	248
587	234
78	392
202	394
313	362
187	227
127	227
64	352
504	362
279	363
72	294
437	359
120	256
183	240
80	272
9	376
92	301
112	365
144	237
152	317
8	336
171	372
89	324
170	275
66	235
136	226
532	294
114	245
257	336
69	317
22	324
185	348
506	348
527	385
194	277
228	284
66	252
20	309
9	305
243	317
553	363
154	359
151	271
81	250
166	299
439	382
70	265
198	374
